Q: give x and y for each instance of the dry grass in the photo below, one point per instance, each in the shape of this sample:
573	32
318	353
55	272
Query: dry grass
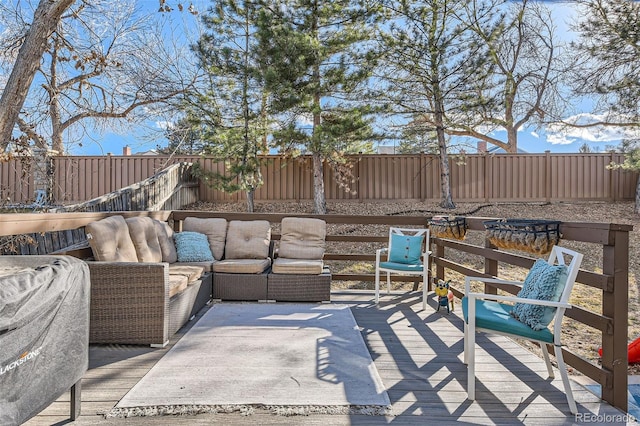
580	338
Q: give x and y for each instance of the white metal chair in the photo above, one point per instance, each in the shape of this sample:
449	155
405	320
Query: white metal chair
489	313
407	254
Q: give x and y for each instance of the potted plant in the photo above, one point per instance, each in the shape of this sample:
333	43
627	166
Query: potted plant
454	227
531	235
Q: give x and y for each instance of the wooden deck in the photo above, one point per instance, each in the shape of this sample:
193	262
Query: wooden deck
418	355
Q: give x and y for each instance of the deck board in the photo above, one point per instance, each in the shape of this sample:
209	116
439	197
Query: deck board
418	355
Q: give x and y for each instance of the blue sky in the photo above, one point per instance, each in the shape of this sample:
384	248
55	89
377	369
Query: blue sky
147	137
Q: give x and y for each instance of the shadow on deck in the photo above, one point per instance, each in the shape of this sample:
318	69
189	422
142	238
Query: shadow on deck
418	355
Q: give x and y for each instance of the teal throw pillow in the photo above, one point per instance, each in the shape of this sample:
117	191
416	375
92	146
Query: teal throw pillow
405	249
546	283
192	247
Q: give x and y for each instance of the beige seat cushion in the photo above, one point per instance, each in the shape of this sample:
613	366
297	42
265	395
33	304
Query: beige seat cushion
206	266
248	239
143	234
165	238
297	266
110	240
302	238
177	283
214	228
191	272
242	266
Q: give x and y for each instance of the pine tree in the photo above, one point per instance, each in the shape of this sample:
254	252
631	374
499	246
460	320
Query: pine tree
315	60
235	103
609	68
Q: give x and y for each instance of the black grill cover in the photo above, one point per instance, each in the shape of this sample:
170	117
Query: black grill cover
44	331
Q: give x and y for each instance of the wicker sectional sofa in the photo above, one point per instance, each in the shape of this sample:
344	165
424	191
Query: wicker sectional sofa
140	294
144	288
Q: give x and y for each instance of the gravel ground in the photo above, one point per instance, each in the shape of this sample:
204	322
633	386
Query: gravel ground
583	340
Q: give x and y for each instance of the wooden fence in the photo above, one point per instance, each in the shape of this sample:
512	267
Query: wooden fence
171	188
482	178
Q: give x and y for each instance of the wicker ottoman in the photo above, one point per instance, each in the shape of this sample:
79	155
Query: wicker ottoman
245	287
300	288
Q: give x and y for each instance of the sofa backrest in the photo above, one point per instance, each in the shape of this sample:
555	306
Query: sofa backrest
214	228
110	241
165	238
145	239
248	239
302	238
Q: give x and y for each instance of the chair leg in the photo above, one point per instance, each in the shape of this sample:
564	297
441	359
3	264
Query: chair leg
388	282
377	284
565	380
471	365
76	391
424	293
465	359
471	350
545	355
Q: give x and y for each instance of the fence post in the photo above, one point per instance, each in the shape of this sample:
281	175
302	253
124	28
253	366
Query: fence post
615	305
547	176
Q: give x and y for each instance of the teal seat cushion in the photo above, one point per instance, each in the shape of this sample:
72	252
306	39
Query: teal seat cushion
496	316
405	248
192	247
402	266
544	282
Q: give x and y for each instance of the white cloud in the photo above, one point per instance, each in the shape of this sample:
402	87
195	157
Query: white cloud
563	134
535	135
164	125
558	139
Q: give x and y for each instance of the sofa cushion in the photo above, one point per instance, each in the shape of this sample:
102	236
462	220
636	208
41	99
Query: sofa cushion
192	247
248	239
214	228
191	272
165	238
143	234
110	240
297	266
177	284
302	238
242	266
206	266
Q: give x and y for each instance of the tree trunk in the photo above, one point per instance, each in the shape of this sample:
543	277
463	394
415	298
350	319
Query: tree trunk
512	140
446	200
319	201
45	20
250	200
637	208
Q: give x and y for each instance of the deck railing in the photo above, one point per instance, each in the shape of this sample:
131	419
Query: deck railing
352	240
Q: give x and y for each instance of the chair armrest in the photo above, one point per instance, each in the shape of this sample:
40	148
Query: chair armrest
379	253
500	298
129	302
467	282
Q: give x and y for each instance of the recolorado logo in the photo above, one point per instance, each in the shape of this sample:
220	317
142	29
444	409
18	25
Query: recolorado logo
27	356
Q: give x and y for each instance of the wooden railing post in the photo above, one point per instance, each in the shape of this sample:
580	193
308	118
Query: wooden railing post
615	305
491	268
439	252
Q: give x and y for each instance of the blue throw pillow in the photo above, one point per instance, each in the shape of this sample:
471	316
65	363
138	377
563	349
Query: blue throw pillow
192	247
405	249
548	282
